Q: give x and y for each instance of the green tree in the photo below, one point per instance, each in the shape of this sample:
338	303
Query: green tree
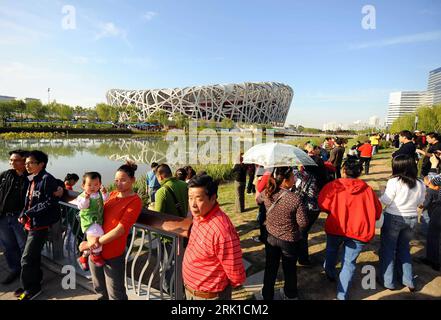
18	107
181	120
107	112
227	123
160	116
6	110
36	109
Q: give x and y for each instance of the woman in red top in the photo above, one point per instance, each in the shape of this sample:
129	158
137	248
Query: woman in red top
366	155
121	211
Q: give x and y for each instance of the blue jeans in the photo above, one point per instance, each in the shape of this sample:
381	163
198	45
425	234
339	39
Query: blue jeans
13	240
395	258
425	220
351	251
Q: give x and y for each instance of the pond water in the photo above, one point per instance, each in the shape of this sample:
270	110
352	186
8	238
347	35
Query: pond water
104	154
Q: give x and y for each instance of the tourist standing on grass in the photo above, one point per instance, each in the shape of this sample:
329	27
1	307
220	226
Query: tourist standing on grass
433	206
366	151
212	264
240	179
251	171
434	141
262	181
41	210
306	187
13	186
352	207
336	157
403	194
152	182
407	146
285	217
172	197
375	141
121	210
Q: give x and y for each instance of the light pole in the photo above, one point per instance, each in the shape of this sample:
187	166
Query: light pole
48	96
416	122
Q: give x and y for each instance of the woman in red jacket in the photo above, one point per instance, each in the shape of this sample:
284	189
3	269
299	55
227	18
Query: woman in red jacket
353	208
366	155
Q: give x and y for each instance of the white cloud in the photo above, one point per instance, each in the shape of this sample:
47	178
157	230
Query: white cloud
108	29
149	15
407	39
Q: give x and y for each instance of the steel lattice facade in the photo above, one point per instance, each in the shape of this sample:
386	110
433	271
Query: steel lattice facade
262	102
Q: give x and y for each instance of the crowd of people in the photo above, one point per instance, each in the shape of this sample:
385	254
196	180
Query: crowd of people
289	198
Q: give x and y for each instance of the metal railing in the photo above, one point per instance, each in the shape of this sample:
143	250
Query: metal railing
153	260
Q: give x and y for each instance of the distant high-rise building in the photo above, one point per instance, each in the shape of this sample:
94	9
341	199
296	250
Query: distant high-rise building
403	102
434	87
374	122
332	126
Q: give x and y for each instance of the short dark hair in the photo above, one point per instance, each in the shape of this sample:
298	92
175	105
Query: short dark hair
21	153
72	176
181	174
407	134
340	141
190	171
433	135
352	168
164	170
39	156
91	175
206	182
154	165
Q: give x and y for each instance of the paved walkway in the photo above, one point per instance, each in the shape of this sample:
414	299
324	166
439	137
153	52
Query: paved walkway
52	289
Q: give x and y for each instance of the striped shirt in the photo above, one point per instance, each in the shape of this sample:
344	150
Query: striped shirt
213	257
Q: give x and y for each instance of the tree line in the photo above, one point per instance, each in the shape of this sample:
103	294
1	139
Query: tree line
34	109
429	120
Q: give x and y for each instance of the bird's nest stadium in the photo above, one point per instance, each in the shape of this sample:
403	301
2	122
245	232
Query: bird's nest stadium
249	102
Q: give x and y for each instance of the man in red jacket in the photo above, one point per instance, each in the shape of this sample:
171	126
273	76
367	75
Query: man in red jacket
366	150
352	208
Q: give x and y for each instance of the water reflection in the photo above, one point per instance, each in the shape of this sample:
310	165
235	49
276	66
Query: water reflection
105	153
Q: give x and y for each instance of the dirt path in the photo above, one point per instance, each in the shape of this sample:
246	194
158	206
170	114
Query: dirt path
312	282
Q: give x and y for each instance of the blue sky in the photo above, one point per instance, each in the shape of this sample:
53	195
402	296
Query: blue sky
339	71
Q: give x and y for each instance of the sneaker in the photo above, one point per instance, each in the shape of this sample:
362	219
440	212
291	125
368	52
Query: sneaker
305	263
11	278
18	292
97	260
84	263
27	295
284	297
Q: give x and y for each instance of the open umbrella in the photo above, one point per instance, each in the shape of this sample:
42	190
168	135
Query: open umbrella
274	154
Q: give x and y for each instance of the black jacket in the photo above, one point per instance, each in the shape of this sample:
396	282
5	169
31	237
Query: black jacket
12	192
44	210
337	155
407	148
